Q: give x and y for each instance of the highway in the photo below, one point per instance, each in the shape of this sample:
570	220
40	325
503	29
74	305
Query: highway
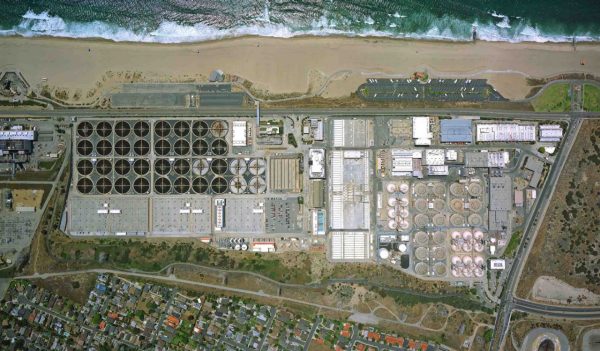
536	214
570	312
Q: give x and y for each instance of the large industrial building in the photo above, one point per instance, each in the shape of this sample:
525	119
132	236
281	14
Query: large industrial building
505	132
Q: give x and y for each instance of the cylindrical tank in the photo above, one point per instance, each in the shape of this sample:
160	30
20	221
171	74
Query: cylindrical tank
478	247
455	260
237	247
391	188
392	202
392	213
455	248
456	273
403	202
467	260
455	235
404	213
404	188
384	254
467	272
478	272
479	260
421	268
421	253
244	247
404	224
478	234
421	238
392	224
466	247
402	248
467	235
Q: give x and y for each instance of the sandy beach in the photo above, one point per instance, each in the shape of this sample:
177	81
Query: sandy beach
290	65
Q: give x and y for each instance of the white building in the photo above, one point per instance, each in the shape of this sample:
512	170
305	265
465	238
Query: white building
350	246
497	264
434	157
421	131
317	163
551	133
239	135
494	132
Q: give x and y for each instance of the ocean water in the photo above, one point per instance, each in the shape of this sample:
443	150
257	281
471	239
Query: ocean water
173	21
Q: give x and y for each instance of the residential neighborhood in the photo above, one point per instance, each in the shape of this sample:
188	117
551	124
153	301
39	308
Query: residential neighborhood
123	314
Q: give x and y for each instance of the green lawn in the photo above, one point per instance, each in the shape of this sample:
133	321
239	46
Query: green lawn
591	98
513	244
553	99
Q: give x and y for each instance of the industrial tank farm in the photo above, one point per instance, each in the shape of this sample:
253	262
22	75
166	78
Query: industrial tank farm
433	228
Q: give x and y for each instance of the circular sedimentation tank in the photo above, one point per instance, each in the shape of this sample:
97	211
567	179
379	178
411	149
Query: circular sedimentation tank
404	188
439	220
439	253
421	238
391	188
392	202
404	225
141	185
440	269
439	238
421	220
475	205
420	189
457	205
421	205
457	189
200	167
200	185
403	201
257	166
457	220
439	189
475	220
421	268
475	189
162	128
141	129
238	185
439	204
200	147
403	213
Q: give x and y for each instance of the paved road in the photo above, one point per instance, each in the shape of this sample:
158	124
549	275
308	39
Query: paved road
250	111
588	312
539	207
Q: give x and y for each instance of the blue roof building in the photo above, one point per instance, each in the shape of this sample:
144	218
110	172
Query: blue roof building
456	131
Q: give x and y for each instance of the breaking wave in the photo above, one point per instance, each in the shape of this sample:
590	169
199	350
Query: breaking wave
495	28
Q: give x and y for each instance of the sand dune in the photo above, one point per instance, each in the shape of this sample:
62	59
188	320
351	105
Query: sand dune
283	65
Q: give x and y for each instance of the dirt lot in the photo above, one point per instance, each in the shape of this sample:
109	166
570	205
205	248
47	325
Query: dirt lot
568	243
74	287
522	323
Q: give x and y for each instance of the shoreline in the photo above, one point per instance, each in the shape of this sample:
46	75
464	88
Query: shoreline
93	67
305	36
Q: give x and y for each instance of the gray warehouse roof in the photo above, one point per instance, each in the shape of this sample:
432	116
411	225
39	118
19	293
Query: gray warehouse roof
456	131
501	193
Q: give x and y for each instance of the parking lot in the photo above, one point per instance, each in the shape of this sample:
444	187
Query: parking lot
451	90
